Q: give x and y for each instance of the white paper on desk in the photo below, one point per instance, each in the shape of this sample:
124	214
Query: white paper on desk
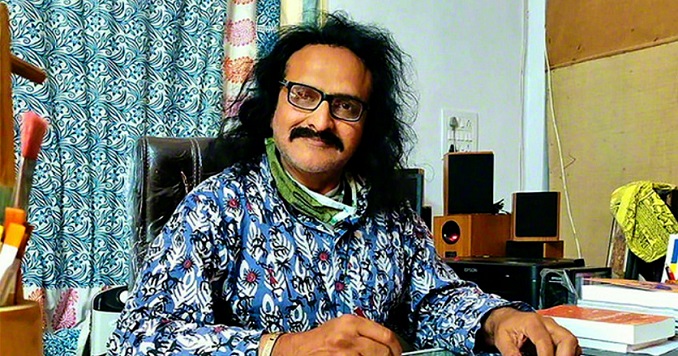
660	349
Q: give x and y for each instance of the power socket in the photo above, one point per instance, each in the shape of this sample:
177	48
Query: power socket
459	128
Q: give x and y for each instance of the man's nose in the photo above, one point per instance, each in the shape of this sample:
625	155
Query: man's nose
320	118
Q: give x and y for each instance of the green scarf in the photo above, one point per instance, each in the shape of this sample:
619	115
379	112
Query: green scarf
294	194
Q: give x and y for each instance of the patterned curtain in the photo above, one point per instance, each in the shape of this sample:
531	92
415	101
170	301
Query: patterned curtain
240	47
251	30
117	70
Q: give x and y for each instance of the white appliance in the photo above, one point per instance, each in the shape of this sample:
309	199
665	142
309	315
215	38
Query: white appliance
106	307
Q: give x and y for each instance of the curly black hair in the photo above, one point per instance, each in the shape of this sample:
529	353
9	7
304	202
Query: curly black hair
387	134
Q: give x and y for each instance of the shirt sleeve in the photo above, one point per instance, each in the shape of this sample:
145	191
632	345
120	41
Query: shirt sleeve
170	311
445	311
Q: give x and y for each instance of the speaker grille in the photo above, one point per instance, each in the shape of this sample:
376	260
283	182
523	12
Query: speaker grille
536	214
469	180
451	232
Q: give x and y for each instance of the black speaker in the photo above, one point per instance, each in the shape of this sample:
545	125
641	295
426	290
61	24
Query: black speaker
536	216
468	183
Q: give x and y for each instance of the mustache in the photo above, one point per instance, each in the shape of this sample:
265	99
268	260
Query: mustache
326	136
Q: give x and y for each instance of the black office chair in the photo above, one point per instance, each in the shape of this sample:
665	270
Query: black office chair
166	169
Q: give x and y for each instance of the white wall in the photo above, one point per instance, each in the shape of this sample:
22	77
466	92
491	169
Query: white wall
468	55
535	157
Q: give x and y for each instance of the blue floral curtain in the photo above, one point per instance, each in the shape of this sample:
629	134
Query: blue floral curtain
117	70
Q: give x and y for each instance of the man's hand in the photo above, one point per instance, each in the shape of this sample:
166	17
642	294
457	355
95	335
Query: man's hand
345	335
509	330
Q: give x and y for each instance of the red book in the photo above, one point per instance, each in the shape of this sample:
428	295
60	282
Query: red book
610	325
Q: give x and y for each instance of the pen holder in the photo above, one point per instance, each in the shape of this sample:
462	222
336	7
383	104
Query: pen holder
21	329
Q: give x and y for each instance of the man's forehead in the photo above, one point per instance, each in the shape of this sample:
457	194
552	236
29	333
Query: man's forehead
330	68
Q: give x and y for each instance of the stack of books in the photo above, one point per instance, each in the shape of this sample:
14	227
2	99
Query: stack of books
631	296
612	330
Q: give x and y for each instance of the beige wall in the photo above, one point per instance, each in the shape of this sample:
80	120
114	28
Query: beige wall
615	98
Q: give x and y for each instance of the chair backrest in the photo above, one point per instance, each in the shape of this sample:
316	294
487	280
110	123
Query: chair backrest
166	170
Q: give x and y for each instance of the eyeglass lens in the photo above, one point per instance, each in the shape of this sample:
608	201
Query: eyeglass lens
309	98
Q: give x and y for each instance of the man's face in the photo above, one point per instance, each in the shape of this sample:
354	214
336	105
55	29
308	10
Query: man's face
316	159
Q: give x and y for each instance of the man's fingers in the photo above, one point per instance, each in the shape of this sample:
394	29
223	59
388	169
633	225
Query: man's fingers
530	338
506	345
565	342
568	349
378	333
540	337
366	346
530	333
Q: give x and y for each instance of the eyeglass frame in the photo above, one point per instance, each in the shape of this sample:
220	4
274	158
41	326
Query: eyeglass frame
324	97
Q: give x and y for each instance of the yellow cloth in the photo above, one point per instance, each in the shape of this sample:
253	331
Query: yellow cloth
645	219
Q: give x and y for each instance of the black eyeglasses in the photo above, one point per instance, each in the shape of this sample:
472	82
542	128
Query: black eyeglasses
342	107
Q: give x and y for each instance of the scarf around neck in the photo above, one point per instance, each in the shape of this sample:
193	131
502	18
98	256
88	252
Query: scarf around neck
312	204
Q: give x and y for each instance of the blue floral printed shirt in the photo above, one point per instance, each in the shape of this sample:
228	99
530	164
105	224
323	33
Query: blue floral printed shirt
233	247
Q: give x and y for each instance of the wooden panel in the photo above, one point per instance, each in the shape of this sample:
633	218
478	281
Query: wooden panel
580	30
7	173
618	123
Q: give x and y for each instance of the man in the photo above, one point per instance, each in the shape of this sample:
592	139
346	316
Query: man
302	247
